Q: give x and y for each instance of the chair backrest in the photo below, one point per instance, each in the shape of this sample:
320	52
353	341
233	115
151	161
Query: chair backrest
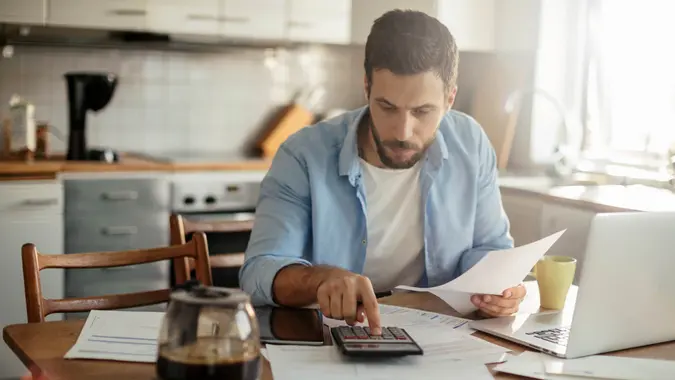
37	307
180	227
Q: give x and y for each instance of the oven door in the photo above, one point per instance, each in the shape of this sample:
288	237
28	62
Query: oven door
223	243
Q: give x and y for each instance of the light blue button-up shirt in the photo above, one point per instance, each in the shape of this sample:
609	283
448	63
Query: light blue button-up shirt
312	205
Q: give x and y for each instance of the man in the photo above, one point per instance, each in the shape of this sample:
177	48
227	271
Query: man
401	192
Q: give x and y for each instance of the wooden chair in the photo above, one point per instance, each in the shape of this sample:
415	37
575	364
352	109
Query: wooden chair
38	307
180	227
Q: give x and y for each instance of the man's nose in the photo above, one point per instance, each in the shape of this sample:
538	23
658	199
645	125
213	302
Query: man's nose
404	128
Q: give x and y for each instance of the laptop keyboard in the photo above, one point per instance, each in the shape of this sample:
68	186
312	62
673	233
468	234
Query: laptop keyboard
558	335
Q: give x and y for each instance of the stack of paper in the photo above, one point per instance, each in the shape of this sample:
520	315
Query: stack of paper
447	354
496	272
406	317
545	367
118	335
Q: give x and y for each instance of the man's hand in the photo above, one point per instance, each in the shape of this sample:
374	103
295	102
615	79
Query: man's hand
347	296
499	306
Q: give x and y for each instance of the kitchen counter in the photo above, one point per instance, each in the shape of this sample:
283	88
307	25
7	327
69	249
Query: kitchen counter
599	198
50	168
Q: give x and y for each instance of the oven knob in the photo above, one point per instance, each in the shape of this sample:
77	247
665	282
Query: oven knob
189	200
210	200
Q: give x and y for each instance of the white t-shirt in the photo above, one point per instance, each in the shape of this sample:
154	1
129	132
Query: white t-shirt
395	250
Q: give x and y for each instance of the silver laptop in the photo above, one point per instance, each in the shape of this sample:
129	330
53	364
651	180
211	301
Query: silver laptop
626	295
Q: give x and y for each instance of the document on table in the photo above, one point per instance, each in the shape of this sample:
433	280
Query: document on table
532	365
406	317
497	271
447	353
546	367
118	335
327	363
613	367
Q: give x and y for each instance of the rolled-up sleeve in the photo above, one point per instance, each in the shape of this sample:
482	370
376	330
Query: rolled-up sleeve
491	229
281	229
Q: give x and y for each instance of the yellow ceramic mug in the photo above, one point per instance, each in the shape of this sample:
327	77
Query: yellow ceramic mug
554	276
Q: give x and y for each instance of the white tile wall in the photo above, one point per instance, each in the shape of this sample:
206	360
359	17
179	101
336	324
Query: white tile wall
182	101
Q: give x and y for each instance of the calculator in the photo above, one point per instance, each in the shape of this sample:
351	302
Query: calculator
357	341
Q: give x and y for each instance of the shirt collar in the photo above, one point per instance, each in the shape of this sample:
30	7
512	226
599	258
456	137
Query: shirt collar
349	164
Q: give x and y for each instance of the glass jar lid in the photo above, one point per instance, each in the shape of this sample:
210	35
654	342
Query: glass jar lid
194	293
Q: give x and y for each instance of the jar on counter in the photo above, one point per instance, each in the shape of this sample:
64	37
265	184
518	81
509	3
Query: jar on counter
23	128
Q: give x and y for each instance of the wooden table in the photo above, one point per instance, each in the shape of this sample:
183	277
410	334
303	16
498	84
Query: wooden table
42	345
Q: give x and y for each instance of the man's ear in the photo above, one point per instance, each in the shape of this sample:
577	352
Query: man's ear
366	87
451	97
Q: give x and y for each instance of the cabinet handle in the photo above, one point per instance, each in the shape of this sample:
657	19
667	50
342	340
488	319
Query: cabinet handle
128	12
239	20
300	24
121	230
41	202
120	195
202	18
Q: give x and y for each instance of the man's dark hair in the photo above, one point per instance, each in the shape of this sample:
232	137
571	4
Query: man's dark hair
408	42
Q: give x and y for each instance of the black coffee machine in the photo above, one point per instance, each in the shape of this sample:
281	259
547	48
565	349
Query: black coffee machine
87	91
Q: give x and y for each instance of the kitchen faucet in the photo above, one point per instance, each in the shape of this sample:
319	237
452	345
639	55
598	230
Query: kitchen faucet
563	154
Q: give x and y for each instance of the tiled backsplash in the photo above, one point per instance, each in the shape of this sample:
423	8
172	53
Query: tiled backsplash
168	101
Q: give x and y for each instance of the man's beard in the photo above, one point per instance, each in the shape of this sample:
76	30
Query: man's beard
388	161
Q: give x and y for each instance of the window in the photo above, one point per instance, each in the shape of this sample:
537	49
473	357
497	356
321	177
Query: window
630	87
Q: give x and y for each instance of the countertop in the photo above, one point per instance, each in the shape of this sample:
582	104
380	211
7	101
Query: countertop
599	198
38	169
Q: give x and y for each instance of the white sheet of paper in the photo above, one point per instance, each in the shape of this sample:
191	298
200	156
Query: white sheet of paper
614	367
497	271
327	363
118	335
532	365
404	317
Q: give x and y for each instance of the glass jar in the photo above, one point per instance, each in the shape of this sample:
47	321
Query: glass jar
209	333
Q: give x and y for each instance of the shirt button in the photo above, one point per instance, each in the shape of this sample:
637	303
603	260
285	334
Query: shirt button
363	241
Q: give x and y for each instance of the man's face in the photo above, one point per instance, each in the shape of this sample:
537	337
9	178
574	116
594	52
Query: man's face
405	112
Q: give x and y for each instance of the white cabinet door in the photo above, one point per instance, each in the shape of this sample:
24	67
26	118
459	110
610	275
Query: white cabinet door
365	12
253	19
22	11
319	21
471	22
556	217
524	213
109	14
194	17
16	229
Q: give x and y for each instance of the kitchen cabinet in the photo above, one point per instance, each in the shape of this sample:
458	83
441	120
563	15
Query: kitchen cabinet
30	212
195	17
109	14
471	22
319	21
477	25
30	12
117	214
524	213
253	19
365	12
577	221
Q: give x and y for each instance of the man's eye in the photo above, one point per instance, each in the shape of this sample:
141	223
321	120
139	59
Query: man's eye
421	112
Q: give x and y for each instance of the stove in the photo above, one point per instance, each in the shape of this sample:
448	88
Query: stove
213	191
216	195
